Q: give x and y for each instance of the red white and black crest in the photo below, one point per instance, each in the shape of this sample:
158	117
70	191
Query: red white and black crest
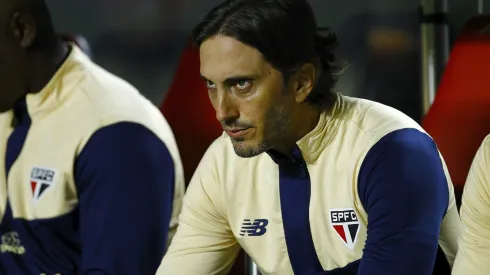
344	221
41	180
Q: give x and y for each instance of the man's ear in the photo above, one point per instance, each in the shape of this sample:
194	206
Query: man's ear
23	27
305	79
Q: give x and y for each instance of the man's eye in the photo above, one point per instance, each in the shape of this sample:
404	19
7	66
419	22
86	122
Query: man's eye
210	84
242	84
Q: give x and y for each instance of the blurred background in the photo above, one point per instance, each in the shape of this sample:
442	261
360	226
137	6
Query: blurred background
141	41
396	51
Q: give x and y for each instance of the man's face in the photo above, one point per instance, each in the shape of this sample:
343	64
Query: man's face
10	78
249	96
12	58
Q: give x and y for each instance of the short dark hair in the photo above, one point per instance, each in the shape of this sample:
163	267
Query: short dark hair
285	32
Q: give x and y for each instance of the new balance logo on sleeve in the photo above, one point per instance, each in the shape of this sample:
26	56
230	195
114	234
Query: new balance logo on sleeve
256	227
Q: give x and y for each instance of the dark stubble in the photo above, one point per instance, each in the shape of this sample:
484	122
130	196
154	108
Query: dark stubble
277	121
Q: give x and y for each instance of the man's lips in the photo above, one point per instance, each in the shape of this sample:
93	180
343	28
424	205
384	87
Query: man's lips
237	133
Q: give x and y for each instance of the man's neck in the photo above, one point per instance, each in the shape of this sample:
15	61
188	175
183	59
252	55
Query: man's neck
304	121
45	67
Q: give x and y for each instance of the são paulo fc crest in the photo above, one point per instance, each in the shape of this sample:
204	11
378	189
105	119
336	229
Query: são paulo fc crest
41	180
344	221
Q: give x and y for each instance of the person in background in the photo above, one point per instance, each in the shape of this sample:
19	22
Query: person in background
305	180
90	176
474	243
80	41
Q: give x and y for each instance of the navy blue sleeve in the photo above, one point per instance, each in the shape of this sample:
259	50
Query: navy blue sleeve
403	187
125	181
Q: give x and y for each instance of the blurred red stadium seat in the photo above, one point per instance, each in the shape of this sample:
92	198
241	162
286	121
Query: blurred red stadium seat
192	118
459	118
189	112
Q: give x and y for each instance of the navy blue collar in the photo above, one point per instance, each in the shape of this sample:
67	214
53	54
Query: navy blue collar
281	159
21	114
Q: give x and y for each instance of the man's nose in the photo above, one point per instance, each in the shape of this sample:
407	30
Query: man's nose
225	108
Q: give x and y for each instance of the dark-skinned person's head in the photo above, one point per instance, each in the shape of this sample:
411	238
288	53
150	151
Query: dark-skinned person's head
28	47
270	72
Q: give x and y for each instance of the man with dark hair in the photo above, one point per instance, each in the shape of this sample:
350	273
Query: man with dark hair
90	175
306	181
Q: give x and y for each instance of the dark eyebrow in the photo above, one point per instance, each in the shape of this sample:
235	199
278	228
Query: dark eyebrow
234	79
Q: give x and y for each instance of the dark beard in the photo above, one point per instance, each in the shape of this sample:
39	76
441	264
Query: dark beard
277	123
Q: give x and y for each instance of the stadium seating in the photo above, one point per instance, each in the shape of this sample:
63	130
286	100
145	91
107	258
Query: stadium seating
190	114
459	119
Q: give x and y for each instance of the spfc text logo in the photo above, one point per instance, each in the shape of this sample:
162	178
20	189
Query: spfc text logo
345	223
41	180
